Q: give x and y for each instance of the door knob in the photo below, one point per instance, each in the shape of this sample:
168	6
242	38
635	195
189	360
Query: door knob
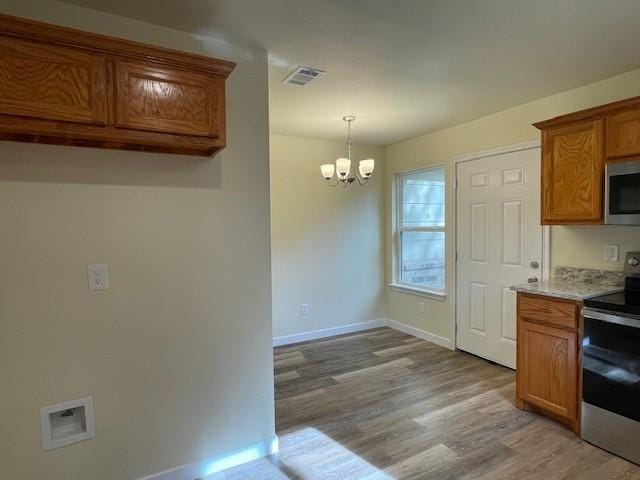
534	264
532	280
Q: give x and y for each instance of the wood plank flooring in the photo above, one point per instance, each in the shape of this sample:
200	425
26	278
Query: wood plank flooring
383	405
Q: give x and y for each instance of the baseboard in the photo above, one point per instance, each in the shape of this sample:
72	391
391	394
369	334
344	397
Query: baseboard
423	334
328	332
218	463
359	327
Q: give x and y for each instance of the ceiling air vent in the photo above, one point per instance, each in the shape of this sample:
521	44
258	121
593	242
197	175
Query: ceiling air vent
303	75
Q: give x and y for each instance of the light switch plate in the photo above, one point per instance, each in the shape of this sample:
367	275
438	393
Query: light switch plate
304	309
98	277
611	253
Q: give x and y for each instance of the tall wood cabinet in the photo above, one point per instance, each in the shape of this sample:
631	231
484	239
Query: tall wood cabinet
548	359
59	85
575	150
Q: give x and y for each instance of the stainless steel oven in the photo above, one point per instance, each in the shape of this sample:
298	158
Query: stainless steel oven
611	382
622	193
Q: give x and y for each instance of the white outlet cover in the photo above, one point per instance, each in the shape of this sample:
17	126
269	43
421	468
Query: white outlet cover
304	309
98	277
611	253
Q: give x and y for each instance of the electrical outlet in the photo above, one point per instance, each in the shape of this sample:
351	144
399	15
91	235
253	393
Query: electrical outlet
98	277
304	309
420	307
611	253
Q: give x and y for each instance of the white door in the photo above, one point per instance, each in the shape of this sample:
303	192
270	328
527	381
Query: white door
499	244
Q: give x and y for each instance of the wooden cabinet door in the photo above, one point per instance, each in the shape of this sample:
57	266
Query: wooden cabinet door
166	100
623	134
52	83
572	173
548	368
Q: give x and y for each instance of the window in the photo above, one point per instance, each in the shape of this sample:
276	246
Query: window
420	236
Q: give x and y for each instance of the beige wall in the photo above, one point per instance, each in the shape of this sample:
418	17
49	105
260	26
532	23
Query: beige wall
177	353
326	242
575	246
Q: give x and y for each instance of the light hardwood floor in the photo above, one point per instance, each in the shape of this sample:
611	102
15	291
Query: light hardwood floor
384	405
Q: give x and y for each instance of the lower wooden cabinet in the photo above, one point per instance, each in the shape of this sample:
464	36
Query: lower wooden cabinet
548	363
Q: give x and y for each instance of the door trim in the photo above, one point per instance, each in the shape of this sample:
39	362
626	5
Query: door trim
546	230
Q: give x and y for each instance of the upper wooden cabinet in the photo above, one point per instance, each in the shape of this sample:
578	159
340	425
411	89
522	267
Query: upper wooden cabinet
167	100
572	173
623	133
575	149
65	86
52	83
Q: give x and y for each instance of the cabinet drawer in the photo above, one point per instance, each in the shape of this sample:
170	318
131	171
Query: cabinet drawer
558	313
623	134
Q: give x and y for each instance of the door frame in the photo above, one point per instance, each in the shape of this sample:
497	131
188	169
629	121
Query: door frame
546	230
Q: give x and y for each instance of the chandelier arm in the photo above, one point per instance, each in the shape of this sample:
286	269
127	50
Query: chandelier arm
337	182
362	181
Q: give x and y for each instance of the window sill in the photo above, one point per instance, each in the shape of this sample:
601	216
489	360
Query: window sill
418	291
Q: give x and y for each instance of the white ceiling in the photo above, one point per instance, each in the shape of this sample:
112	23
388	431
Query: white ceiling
407	67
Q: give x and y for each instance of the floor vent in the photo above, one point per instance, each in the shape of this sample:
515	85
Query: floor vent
301	76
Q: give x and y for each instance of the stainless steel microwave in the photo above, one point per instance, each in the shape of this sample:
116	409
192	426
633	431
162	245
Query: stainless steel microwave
622	193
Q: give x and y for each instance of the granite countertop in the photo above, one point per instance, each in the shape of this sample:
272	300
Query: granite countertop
576	284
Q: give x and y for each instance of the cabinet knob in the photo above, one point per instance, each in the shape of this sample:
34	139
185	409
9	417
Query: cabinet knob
534	264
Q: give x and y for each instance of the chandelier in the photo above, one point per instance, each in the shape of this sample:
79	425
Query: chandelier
342	169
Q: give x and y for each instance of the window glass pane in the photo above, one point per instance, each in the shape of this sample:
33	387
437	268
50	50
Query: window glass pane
422	262
423	199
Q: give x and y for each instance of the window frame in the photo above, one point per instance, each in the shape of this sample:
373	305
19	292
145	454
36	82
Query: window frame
398	227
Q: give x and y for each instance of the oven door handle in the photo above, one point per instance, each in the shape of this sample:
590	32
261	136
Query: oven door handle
610	318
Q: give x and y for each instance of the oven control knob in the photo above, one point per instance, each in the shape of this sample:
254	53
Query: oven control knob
633	261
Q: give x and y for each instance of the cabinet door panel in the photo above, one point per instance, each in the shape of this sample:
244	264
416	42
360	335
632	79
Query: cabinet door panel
53	83
572	173
165	100
548	368
623	134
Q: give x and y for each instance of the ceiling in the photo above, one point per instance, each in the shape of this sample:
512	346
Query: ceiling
408	67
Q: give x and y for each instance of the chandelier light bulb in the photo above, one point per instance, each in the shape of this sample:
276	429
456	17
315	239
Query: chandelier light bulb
343	165
366	167
327	170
